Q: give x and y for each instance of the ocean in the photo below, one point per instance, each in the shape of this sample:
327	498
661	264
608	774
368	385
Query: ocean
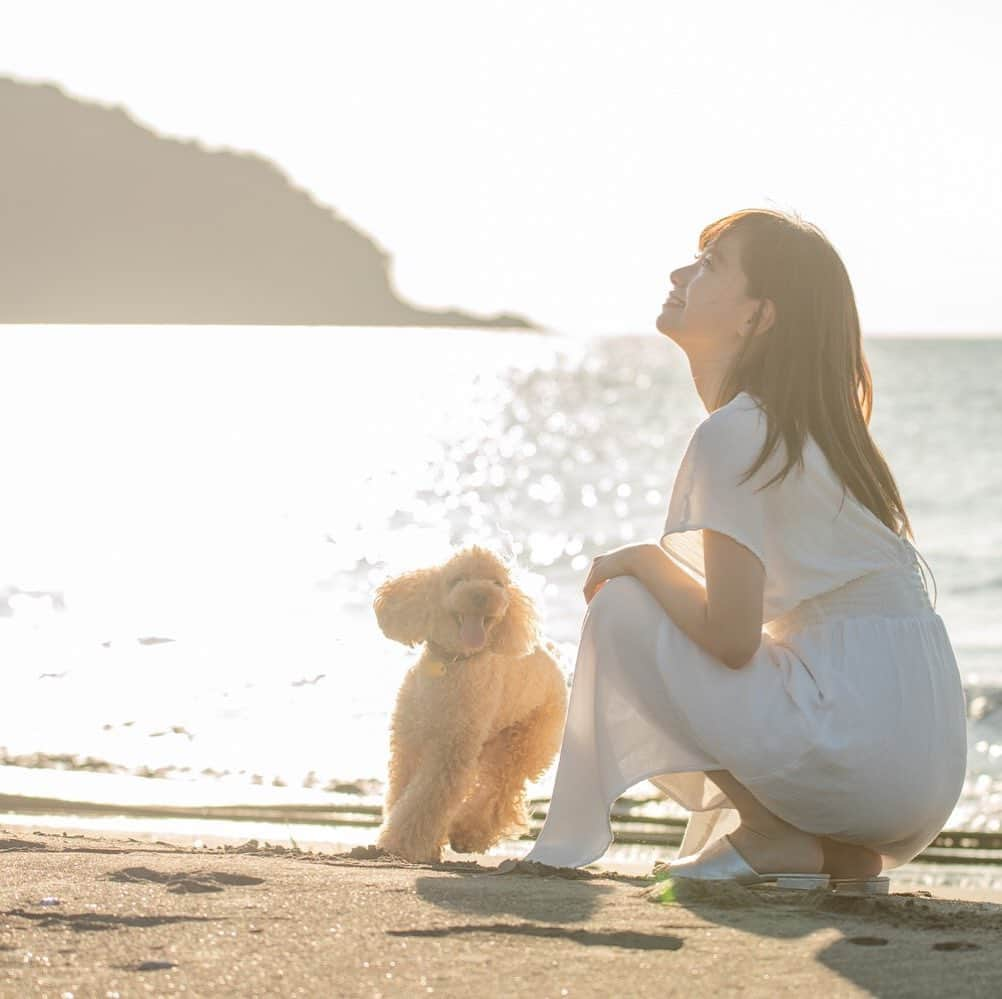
194	520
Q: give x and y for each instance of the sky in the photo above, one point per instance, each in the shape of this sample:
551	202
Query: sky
558	159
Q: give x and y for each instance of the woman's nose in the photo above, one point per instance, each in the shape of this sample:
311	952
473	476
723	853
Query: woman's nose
679	276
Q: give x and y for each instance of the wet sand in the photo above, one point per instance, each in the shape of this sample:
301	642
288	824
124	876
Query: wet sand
109	916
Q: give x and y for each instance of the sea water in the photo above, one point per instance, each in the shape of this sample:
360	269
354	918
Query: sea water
194	520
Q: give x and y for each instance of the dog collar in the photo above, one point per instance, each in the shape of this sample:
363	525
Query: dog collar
444	658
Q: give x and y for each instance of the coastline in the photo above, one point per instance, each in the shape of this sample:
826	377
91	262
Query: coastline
646	828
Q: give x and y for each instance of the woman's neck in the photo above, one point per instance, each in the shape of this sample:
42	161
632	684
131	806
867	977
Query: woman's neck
708	375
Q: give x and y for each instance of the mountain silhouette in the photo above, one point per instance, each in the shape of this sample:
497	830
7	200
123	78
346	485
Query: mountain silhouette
105	221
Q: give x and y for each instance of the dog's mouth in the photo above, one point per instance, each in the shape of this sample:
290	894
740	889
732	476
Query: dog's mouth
473	629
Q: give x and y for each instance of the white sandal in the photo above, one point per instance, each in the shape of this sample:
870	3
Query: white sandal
879	885
722	862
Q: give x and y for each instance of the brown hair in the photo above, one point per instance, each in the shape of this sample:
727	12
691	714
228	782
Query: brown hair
808	370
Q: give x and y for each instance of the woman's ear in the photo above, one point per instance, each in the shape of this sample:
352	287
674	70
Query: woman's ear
764	318
403	606
517	634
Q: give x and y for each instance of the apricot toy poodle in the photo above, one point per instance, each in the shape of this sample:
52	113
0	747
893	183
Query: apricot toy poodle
480	713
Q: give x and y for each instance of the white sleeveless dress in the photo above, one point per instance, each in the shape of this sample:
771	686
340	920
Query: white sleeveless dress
850	720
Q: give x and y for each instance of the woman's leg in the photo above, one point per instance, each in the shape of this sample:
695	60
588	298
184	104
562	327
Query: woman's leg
770	843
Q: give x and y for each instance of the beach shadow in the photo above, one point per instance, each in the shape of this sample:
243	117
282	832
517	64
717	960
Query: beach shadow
92	922
488	890
625	939
179	882
478	890
558	895
897	910
880	950
957	938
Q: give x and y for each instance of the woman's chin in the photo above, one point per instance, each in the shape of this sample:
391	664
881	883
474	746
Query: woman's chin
663	324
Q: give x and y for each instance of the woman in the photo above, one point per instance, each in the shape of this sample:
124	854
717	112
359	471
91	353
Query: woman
832	745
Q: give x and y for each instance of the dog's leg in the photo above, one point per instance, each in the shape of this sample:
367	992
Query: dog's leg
519	753
477	825
406	739
417	827
404	762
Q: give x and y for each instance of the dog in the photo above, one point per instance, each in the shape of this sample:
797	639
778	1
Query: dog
477	716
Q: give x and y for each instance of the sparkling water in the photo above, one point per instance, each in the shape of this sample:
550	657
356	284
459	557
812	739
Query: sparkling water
194	520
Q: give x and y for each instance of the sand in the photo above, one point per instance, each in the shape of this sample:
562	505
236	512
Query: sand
105	916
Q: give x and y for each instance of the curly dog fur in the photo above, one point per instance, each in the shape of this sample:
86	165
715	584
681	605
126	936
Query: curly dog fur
480	713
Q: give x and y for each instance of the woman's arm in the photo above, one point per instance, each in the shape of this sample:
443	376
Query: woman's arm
685	602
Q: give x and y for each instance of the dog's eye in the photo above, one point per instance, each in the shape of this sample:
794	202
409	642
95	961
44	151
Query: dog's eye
497	582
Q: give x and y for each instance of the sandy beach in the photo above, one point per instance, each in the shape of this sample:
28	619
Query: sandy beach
108	916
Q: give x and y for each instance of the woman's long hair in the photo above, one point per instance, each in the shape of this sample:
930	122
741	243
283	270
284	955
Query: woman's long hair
808	369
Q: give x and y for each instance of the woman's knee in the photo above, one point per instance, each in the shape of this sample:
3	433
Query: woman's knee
616	594
625	621
624	602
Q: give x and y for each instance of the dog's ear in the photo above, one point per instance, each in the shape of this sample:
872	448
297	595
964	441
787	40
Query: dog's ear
403	606
518	632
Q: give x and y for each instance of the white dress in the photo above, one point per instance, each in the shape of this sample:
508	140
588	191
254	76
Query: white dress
850	720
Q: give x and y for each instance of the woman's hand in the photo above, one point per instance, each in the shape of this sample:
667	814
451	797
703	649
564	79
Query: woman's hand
619	562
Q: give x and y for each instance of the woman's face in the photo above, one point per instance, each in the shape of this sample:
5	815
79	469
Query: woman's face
708	308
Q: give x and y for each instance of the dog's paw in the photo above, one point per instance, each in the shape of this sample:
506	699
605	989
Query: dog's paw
471	841
413	853
467	846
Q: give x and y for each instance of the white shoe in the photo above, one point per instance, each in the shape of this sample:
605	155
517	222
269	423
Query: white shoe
879	885
722	862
